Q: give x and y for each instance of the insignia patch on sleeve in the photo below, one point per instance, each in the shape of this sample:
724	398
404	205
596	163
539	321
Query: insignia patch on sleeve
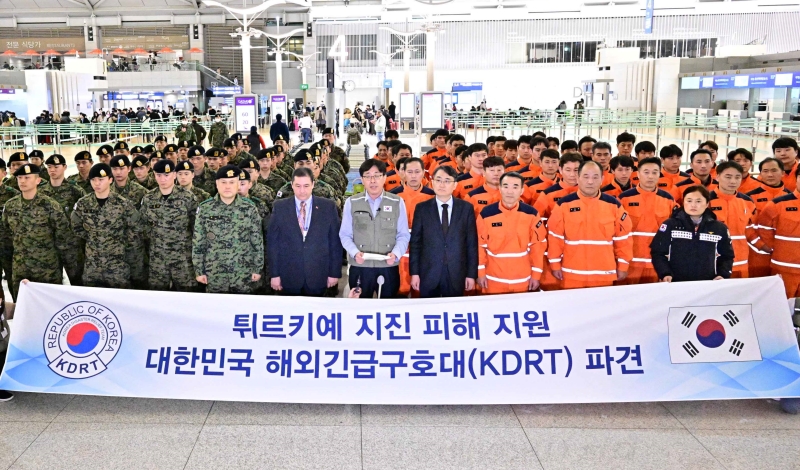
663	228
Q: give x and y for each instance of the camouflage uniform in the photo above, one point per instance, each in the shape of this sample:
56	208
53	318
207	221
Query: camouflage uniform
217	134
287	167
38	235
188	134
66	196
242	156
225	243
85	185
264	193
43	174
6	193
328	179
339	156
11	182
273	182
335	168
132	191
264	211
169	224
148	183
199	194
207	181
109	232
280	171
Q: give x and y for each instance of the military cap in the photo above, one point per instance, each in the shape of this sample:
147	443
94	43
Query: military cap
18	157
327	131
302	155
55	159
2	164
265	153
249	163
196	151
236	137
36	154
157	154
137	149
120	161
323	143
121	146
214	152
280	137
228	171
315	151
441	133
100	170
149	148
185	144
105	150
229	143
244	176
185	165
139	161
170	148
160	138
83	155
27	169
164	166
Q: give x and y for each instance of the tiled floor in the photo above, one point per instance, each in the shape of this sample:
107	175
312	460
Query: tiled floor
40	431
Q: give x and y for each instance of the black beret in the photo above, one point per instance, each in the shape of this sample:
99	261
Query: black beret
36	154
55	159
185	144
164	166
139	161
228	171
327	131
237	136
160	138
119	160
170	148
137	149
83	155
157	154
149	148
104	150
18	157
280	137
229	143
315	151
302	155
121	146
100	170
27	169
196	151
243	175
214	152
249	163
185	165
2	164
265	153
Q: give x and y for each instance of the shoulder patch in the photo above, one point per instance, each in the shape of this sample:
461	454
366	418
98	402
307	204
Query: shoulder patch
665	194
663	228
787	197
629	193
428	191
476	191
608	187
527	209
553	188
569	197
465	176
490	210
744	196
397	190
684	182
533	181
512	164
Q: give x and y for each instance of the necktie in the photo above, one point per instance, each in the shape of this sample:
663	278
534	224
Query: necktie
302	217
445	219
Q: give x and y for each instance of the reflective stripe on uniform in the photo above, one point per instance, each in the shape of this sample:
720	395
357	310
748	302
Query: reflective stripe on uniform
587	242
508	255
740	263
643	234
788	265
642	260
508	281
788	239
576	271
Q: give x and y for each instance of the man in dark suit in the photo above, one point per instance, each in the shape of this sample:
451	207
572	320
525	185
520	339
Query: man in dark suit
304	252
443	259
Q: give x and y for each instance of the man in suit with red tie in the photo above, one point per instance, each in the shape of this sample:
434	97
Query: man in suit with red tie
304	252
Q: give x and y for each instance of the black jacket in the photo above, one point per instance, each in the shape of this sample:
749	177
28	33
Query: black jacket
688	255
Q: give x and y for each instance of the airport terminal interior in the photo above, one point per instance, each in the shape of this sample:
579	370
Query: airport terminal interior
81	75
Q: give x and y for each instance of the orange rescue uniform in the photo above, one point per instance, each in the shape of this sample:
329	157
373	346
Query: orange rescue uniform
680	187
779	228
534	187
531	172
466	183
511	247
411	198
647	210
589	240
615	188
518	165
432	154
738	213
544	205
749	184
482	197
790	178
392	180
759	265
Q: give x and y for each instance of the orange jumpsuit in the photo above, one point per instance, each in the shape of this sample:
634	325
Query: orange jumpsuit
680	187
430	155
544	205
589	240
749	184
482	197
531	172
439	161
534	187
758	261
667	181
647	210
790	178
615	188
411	198
779	228
466	183
738	213
392	180
511	244
519	166
608	178
388	162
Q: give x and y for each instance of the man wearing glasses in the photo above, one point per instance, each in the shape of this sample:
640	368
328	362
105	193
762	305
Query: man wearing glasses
374	233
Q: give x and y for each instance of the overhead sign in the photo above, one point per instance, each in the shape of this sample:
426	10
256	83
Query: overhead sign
648	16
7	91
431	111
245	111
278	104
226	90
408	106
149	43
708	340
387	83
754	80
304	86
467	86
42	44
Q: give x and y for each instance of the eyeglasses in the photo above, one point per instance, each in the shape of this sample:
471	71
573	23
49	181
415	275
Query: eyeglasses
371	177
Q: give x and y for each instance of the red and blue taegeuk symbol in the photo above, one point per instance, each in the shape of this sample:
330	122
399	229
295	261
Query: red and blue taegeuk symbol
710	333
82	338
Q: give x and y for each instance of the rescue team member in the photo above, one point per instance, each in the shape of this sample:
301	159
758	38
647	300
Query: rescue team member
553	143
601	154
444	241
500	146
384	156
510	151
671	174
622	169
779	229
625	143
589	235
692	245
702	163
648	207
393	177
490	145
511	242
585	146
644	149
548	199
374	222
547	177
476	153
412	192
538	145
713	148
524	159
770	173
737	211
462	163
745	159
785	149
439	143
489	192
569	146
449	158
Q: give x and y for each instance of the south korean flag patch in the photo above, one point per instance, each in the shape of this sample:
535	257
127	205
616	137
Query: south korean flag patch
387	208
663	228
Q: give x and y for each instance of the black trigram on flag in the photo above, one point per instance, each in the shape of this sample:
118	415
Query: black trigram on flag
736	347
731	317
688	319
690	349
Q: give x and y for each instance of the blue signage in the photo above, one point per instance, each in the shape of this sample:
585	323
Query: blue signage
387	83
226	90
648	17
467	86
754	80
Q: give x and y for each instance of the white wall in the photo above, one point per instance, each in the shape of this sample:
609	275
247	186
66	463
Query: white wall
666	85
39	93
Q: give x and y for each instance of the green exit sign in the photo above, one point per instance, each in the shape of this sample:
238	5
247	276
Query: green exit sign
304	86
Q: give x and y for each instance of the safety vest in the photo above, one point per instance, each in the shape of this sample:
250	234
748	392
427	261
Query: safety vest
374	234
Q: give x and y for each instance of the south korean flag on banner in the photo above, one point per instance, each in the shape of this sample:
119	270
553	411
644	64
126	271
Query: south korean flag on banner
723	333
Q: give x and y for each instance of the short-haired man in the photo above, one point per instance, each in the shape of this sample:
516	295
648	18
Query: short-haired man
601	154
779	230
489	192
785	149
745	159
737	211
185	177
83	160
123	185
585	146
569	146
476	153
393	179
644	149
622	169
770	175
702	164
549	160
439	143
671	174
625	143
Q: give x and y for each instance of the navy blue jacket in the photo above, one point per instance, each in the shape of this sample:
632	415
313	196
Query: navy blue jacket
279	128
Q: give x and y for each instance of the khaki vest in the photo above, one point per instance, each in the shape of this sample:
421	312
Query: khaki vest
374	234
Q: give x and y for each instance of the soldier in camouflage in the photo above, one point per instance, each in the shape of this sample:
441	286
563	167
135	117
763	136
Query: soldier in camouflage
141	172
110	225
257	190
321	189
37	158
130	190
243	146
278	157
264	211
168	214
332	167
329	176
170	152
211	164
104	154
158	144
217	133
184	131
227	239
183	149
6	193
185	178
36	234
122	148
337	153
266	176
83	160
234	155
15	161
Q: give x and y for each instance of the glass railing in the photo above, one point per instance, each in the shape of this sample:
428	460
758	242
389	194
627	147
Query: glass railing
159	66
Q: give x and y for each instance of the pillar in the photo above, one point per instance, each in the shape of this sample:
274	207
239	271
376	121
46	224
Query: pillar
430	54
245	43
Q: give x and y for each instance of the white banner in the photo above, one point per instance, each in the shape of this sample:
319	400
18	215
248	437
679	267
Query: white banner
682	341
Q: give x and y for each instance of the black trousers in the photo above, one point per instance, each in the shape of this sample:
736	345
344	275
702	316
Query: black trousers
304	291
445	288
367	279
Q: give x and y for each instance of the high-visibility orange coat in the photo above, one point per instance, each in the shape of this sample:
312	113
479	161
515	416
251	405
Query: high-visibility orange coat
531	172
589	240
482	197
467	182
432	154
647	211
759	265
392	180
511	247
738	212
411	198
388	162
442	161
608	178
749	184
518	165
779	228
680	187
545	203
615	188
790	178
534	187
666	182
